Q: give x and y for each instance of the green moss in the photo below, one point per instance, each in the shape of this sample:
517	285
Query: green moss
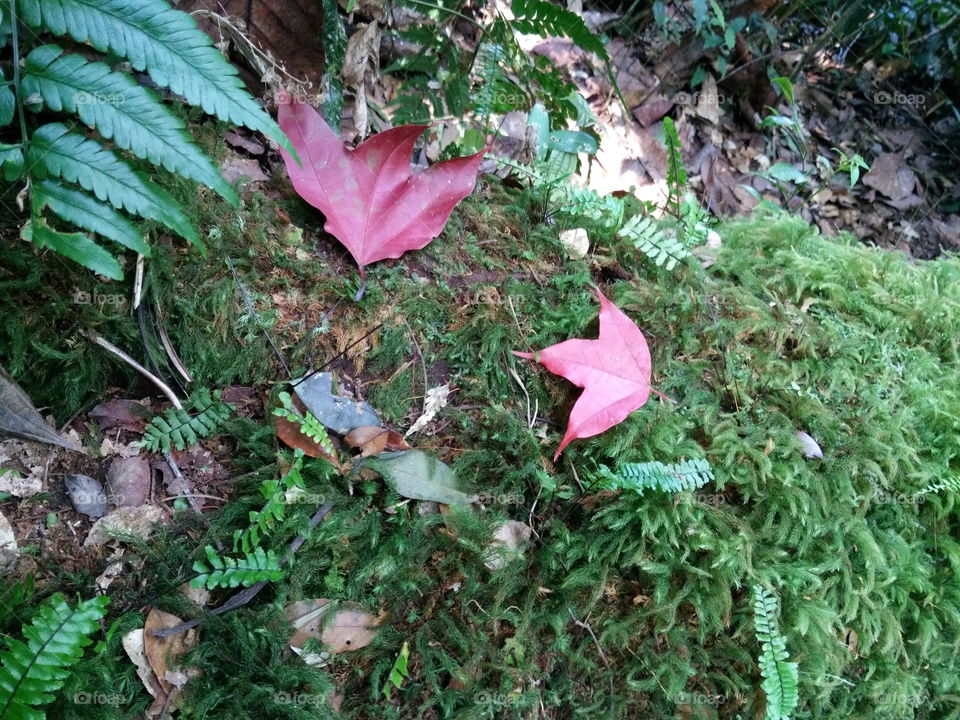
786	331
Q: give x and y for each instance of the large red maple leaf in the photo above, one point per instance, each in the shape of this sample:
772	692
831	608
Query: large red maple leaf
613	370
374	202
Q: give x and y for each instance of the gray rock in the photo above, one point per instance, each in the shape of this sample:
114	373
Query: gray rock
336	412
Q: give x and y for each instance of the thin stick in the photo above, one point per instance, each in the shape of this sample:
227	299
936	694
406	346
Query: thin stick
586	626
110	347
423	362
138	282
182	486
193	495
167	345
338	355
245	596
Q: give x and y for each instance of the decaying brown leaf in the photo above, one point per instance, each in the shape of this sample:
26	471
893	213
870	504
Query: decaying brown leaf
369	439
350	628
162	653
20	418
289	433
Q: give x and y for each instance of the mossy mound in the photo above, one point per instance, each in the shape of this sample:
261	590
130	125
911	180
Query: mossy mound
787	331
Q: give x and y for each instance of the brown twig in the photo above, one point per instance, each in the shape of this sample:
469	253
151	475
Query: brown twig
110	347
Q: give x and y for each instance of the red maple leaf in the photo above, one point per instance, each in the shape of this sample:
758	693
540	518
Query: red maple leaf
613	370
375	204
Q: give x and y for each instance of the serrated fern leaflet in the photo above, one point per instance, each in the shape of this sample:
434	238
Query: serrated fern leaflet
31	671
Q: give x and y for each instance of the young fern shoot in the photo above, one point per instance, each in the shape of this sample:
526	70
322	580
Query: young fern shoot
780	678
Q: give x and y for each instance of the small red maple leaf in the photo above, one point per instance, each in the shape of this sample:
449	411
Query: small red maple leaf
375	204
613	370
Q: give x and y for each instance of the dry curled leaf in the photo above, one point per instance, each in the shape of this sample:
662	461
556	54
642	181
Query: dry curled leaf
291	436
350	628
368	439
162	653
20	418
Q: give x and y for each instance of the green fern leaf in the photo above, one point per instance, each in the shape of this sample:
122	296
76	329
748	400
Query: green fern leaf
274	510
647	236
11	160
8	105
780	678
950	484
307	423
120	110
76	246
31	672
224	571
539	17
84	211
164	42
54	150
685	475
177	428
676	173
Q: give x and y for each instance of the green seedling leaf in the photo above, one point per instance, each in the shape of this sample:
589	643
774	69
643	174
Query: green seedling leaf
785	172
539	121
399	672
572	141
785	88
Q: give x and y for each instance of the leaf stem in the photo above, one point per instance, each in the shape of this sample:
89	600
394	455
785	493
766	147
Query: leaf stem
15	36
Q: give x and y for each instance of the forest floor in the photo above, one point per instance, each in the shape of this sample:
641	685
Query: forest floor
549	596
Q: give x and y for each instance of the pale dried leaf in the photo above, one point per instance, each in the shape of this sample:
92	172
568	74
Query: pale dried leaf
808	446
435	401
137	522
507	543
86	494
133	645
9	551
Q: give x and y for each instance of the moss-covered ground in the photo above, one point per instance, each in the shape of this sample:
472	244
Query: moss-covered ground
786	331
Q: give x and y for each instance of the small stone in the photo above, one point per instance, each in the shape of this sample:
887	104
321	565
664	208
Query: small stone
576	242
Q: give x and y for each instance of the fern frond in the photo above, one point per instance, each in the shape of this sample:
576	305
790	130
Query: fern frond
162	41
224	571
84	211
179	429
120	110
308	424
950	484
694	222
539	17
334	38
685	475
487	66
780	678
274	510
76	246
647	236
8	103
12	162
54	150
676	173
31	672
606	210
